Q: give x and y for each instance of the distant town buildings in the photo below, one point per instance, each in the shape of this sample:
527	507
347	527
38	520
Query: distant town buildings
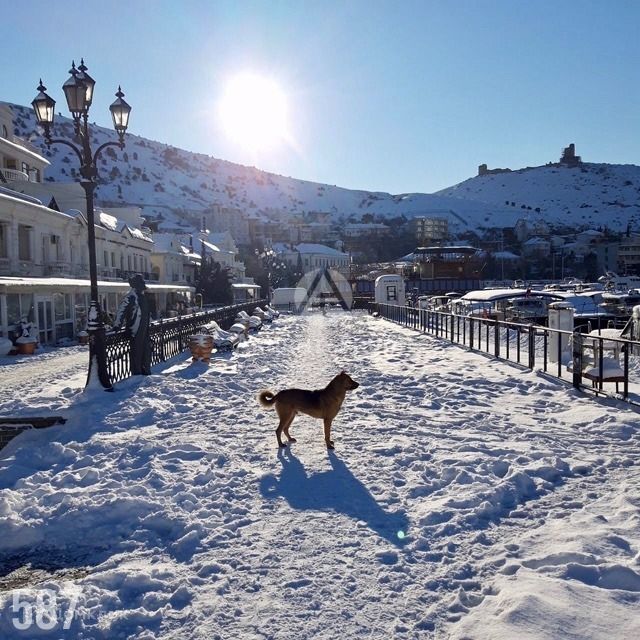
430	229
310	256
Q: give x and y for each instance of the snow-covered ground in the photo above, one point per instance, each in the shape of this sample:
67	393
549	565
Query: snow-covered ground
466	499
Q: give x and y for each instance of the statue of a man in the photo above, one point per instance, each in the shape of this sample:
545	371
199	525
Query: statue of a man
133	316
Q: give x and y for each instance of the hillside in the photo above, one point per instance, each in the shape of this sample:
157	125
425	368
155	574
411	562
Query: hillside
178	185
589	194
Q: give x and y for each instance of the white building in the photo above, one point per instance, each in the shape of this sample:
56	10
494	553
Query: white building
44	255
365	229
525	229
222	248
314	256
19	162
173	258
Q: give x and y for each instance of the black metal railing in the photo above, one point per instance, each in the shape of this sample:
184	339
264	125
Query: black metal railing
169	337
588	361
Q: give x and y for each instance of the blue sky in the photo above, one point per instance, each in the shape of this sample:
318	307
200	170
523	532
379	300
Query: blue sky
395	96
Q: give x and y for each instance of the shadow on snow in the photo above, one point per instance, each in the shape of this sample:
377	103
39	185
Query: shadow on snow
336	489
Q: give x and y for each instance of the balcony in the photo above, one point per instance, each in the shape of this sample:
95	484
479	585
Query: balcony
125	275
13	175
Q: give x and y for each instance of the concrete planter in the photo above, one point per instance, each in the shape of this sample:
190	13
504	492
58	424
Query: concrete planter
26	348
201	346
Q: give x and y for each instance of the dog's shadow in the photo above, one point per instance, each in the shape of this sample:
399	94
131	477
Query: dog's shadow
336	489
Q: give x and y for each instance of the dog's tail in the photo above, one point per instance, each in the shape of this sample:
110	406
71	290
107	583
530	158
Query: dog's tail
267	399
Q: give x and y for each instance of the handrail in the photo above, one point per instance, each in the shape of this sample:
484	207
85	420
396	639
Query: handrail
169	336
526	344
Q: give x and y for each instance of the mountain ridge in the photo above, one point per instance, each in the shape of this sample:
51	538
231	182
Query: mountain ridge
177	185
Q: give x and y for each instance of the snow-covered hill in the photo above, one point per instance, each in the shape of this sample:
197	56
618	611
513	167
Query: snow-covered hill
181	184
589	194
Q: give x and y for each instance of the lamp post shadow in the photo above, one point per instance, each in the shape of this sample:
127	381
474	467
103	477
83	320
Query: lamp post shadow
337	490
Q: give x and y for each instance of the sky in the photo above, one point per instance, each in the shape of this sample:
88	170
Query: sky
381	95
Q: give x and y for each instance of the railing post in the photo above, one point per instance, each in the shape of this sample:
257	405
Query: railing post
162	356
625	388
496	339
180	333
471	331
577	359
532	347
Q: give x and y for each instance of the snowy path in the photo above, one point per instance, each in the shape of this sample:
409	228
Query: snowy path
42	381
466	498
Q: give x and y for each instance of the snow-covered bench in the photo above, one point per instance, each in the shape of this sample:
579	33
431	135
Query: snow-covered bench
222	340
252	323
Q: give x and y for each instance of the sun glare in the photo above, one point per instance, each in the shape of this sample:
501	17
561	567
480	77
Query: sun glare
253	112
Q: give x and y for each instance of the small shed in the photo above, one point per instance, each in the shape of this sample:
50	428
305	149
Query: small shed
389	289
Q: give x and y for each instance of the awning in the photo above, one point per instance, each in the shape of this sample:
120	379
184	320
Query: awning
77	285
251	287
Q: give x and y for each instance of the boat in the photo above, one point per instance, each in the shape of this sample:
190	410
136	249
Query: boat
613	282
620	304
515	305
527	309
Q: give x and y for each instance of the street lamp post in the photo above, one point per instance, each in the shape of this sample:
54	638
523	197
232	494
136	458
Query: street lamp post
78	90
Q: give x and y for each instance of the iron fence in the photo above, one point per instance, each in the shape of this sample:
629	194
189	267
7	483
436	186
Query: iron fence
169	337
599	362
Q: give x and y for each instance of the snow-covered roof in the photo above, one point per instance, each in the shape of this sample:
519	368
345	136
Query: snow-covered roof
18	148
108	221
487	295
319	248
211	246
536	240
10	198
506	255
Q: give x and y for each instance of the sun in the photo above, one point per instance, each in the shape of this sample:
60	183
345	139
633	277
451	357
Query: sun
253	112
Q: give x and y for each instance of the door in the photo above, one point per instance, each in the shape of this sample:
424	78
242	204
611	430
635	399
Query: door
44	319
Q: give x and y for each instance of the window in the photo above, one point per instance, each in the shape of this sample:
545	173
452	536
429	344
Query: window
24	242
25	168
80	303
5	133
19	305
62	307
106	259
392	292
113	259
56	247
4	247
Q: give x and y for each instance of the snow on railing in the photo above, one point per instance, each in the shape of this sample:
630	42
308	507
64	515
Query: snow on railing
599	357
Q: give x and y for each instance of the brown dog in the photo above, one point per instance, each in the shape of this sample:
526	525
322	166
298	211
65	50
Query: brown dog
323	403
